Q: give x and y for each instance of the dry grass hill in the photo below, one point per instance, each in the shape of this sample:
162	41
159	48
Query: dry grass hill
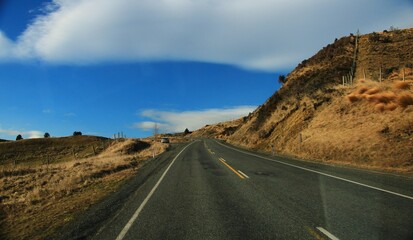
35	151
38	196
366	123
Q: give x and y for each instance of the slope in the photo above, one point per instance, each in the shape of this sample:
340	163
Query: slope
313	115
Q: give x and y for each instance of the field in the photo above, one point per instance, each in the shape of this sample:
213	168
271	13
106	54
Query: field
37	197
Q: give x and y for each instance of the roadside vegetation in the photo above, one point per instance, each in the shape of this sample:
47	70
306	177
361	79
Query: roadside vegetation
37	197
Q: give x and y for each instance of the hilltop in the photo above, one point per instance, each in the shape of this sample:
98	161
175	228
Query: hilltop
39	150
365	122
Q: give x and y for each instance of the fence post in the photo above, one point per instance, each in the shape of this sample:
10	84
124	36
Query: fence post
380	75
403	74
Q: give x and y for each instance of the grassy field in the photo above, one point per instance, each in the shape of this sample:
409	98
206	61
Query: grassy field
36	198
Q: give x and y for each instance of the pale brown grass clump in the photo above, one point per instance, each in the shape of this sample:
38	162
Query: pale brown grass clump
373	91
401	85
380	107
385	98
362	90
405	99
353	98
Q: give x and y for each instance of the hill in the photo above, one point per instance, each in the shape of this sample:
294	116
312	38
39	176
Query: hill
365	122
35	151
37	199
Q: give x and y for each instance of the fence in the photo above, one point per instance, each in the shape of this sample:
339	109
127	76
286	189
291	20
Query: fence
348	79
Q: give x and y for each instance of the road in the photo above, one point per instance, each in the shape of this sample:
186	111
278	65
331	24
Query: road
210	190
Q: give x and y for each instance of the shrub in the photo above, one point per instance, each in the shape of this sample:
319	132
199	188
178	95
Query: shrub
282	79
19	137
77	133
46	135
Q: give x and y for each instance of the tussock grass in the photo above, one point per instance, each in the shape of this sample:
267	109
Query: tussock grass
362	90
353	98
401	85
384	97
373	91
405	99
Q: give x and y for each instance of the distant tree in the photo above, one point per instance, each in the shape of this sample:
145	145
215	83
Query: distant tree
77	133
282	79
46	135
186	131
19	137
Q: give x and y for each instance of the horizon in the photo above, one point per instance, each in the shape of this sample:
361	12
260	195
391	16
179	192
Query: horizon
125	66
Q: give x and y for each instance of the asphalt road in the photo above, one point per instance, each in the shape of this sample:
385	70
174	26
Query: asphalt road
210	190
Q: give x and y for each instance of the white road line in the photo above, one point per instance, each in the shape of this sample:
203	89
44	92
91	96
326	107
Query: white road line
328	234
136	214
321	173
243	174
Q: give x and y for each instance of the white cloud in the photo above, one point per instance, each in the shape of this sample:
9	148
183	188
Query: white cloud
173	121
261	34
6	47
25	134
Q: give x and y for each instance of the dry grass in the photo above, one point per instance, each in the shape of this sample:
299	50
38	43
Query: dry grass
401	85
38	199
353	97
405	99
373	90
385	96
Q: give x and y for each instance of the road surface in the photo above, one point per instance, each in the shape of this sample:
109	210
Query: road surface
210	190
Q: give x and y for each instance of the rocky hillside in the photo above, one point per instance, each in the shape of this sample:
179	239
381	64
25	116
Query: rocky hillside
368	123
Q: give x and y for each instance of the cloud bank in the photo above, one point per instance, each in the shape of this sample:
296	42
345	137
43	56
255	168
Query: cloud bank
172	121
25	134
259	34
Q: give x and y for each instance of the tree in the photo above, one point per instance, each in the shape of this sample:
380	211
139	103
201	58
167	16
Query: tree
46	135
282	79
77	133
186	131
19	137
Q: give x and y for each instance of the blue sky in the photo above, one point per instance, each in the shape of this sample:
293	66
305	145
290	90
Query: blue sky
104	66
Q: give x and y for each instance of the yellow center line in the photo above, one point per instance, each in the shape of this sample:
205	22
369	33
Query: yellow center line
226	164
314	233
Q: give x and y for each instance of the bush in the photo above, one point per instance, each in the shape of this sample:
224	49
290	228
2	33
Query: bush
46	135
77	133
282	79
19	137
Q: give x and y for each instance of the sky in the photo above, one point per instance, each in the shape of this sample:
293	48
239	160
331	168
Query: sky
104	66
